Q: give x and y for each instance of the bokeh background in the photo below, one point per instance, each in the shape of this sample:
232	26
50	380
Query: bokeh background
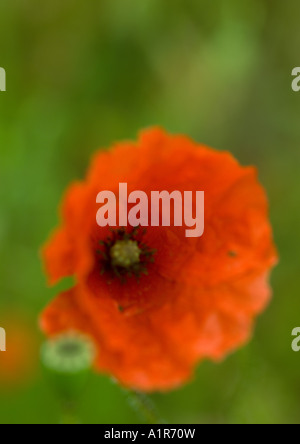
81	75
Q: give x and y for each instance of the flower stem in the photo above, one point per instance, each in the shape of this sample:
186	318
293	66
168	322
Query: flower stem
144	407
69	414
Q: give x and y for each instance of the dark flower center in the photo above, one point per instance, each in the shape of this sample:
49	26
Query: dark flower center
124	254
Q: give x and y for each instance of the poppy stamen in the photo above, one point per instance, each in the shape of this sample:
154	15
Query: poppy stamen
125	255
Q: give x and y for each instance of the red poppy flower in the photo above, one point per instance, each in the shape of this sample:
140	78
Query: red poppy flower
181	299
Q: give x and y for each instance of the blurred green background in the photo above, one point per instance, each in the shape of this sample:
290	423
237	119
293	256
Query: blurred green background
81	75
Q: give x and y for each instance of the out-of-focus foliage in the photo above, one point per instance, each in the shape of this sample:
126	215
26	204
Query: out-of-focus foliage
81	75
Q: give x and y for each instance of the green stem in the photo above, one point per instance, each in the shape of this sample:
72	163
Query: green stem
69	415
144	406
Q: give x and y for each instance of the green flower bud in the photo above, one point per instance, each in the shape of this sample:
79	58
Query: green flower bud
67	359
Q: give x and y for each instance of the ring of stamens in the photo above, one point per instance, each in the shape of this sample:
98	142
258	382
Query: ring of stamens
124	254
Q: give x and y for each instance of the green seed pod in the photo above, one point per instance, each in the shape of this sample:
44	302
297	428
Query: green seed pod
67	360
